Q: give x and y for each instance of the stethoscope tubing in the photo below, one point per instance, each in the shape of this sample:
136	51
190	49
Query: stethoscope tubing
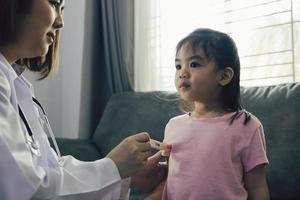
34	145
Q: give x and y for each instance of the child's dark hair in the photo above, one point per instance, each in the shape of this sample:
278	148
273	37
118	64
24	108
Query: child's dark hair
220	48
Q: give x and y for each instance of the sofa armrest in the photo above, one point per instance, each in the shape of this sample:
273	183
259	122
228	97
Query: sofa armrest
81	149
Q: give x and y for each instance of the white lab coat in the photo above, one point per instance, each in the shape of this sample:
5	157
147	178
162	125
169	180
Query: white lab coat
25	176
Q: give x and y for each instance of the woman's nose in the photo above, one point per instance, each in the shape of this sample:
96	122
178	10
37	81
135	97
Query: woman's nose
59	21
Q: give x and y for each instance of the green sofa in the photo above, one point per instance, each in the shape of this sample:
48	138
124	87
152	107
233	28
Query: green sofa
278	108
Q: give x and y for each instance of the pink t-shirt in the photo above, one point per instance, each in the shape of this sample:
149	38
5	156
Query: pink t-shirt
209	156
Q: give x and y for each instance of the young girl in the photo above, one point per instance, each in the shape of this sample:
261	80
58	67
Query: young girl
218	149
29	167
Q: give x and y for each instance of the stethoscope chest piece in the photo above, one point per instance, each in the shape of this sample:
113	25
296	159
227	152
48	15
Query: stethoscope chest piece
33	145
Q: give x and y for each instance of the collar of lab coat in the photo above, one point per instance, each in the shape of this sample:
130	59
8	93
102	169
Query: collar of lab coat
8	70
14	71
24	80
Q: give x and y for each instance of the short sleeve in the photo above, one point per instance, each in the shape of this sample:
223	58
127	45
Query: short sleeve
166	129
165	140
254	153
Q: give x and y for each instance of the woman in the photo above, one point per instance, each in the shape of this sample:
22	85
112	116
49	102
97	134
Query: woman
29	168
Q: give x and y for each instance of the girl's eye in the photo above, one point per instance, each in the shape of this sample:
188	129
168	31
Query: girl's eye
178	67
194	64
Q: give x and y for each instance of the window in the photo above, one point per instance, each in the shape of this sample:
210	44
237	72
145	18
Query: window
265	31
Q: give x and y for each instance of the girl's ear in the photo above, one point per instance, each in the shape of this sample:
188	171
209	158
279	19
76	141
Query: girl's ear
225	76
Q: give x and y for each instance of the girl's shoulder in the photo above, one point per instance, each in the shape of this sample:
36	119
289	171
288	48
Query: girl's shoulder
179	117
246	119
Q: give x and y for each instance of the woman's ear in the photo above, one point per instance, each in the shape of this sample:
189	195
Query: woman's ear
225	76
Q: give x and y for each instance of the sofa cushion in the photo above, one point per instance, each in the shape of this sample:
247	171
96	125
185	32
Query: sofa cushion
82	149
278	108
134	112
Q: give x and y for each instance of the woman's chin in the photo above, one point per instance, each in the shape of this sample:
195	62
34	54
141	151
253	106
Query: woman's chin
42	51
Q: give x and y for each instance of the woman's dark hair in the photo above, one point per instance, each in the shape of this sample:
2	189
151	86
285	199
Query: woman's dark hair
12	14
220	48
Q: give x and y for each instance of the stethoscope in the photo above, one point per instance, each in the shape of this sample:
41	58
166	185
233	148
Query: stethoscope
30	139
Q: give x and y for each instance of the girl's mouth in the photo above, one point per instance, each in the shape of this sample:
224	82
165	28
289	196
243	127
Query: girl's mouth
184	85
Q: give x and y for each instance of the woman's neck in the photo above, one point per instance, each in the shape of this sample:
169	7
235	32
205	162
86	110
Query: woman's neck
9	53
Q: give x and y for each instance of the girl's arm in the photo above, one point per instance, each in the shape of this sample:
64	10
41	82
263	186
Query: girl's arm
256	184
157	193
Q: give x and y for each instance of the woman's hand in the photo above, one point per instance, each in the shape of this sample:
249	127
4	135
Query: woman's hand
150	175
131	154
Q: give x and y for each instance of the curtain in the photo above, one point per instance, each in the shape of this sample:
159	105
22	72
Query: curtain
146	50
117	24
108	58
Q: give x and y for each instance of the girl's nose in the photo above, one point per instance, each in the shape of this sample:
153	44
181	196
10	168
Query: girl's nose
183	73
182	76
